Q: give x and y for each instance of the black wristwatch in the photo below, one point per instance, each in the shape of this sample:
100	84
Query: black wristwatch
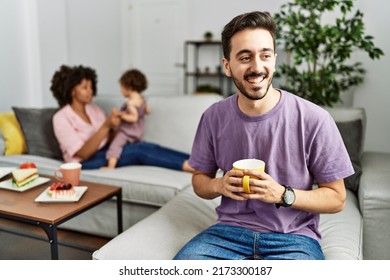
288	197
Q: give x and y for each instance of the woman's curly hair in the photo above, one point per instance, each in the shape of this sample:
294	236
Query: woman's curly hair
66	78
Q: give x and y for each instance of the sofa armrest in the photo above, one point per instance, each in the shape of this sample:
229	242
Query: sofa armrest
374	200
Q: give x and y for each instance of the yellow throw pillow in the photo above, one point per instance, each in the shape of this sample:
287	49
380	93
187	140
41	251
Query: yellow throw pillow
13	135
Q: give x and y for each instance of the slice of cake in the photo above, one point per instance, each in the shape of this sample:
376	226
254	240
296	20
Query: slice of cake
61	190
23	177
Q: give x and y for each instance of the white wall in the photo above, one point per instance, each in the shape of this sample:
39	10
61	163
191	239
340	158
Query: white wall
77	32
373	94
216	13
19	55
40	35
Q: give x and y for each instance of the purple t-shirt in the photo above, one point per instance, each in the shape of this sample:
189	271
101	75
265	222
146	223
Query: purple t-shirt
299	143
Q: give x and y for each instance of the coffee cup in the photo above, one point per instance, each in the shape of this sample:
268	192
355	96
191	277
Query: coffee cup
248	164
70	173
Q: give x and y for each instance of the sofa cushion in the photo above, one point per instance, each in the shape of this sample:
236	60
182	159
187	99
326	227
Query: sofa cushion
45	165
374	197
161	235
342	232
352	125
38	131
184	128
12	134
170	109
352	134
2	144
149	185
187	215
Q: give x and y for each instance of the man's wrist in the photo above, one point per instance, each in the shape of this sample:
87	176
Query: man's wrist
288	197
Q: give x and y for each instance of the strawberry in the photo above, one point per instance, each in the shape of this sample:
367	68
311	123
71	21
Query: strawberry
27	164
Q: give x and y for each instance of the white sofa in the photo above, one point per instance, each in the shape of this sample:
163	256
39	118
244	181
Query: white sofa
145	189
359	231
161	212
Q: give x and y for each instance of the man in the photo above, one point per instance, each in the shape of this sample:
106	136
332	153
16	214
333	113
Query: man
298	141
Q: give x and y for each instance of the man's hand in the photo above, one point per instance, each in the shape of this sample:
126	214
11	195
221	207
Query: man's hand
231	185
265	188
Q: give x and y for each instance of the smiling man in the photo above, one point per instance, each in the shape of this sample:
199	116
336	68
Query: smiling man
298	141
261	61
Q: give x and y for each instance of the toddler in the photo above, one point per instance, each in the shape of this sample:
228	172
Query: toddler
131	130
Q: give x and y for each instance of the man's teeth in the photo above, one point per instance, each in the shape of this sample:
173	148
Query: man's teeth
256	80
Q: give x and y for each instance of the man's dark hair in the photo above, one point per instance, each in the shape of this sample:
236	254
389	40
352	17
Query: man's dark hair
66	78
134	79
252	20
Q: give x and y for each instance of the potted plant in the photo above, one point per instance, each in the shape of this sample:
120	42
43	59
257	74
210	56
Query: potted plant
318	66
208	36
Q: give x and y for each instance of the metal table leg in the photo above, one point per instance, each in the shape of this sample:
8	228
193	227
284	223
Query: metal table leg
119	211
51	232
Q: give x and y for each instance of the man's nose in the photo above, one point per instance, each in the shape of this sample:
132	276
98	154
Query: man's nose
257	65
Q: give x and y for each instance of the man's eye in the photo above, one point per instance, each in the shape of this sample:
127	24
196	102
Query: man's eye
245	58
266	56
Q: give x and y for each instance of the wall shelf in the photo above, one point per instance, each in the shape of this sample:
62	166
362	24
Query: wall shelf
193	50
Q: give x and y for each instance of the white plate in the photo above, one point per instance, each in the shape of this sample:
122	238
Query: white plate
45	197
5	171
9	186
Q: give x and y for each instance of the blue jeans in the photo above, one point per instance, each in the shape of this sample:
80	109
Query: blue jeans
140	153
226	242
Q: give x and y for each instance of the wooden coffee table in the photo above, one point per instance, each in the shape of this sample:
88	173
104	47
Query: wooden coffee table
20	206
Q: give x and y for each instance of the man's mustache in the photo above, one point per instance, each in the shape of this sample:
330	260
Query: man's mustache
255	75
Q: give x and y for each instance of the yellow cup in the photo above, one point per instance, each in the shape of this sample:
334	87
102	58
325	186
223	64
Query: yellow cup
248	164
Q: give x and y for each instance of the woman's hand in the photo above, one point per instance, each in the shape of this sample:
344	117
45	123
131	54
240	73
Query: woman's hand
114	119
93	144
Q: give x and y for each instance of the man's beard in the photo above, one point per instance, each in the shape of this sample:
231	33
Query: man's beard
241	87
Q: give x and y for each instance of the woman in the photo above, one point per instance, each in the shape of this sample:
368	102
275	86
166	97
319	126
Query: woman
84	132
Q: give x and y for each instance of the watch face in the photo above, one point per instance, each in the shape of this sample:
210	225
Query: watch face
289	197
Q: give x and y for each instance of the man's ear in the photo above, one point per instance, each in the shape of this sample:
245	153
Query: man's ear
226	67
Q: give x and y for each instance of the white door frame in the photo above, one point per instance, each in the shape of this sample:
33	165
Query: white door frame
162	68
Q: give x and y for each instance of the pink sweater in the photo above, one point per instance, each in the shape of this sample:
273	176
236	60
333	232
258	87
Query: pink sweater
72	132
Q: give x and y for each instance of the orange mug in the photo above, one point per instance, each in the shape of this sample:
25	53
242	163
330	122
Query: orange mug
70	173
248	164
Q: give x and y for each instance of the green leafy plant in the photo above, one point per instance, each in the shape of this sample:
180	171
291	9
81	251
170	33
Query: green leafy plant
318	67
